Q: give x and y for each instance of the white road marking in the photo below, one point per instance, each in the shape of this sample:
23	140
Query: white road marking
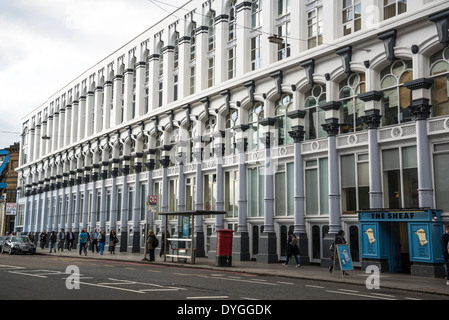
311	286
204	298
359	295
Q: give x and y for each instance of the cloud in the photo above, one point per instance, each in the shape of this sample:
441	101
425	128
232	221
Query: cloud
45	44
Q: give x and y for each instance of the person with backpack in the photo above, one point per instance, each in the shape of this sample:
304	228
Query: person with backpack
152	243
292	249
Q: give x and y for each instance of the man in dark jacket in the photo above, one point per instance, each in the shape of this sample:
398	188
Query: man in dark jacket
444	249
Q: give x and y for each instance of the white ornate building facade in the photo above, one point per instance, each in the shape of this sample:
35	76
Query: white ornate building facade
285	114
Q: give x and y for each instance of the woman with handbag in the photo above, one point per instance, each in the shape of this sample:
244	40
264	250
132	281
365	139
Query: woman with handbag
292	249
112	241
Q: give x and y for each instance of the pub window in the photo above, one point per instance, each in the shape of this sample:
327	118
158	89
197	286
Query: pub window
317	187
400	178
354	182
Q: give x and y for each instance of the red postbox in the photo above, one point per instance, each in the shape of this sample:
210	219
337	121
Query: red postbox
224	248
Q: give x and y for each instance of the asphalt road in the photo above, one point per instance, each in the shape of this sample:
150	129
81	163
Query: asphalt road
25	277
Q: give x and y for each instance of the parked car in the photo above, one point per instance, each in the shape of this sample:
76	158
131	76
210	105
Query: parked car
2	240
17	244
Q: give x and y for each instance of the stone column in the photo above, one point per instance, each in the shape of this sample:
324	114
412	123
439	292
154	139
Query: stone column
297	135
199	199
332	128
372	119
420	107
124	214
240	245
268	243
136	210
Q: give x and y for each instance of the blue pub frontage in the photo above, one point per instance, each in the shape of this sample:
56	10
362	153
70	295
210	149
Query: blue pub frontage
406	241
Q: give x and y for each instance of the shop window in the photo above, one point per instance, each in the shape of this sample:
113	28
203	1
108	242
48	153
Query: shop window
317	187
400	178
354	182
256	192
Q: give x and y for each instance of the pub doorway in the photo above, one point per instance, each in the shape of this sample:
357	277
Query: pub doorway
399	252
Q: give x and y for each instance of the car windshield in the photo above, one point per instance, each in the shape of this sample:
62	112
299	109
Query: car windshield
2	238
21	239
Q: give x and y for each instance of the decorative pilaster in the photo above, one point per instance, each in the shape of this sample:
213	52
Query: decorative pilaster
421	108
267	244
297	135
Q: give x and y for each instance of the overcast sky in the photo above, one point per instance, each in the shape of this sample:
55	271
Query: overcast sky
45	44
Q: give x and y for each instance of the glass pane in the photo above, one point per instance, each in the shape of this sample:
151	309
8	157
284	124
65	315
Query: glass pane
290	189
347	171
280	194
441	164
324	186
390	159
311	192
409	157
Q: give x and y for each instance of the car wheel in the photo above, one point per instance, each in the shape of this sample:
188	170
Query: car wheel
10	251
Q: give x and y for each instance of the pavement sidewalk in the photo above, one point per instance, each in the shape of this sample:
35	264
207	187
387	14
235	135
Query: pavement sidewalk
310	272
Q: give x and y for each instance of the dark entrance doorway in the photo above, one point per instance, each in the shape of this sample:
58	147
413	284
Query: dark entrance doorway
399	254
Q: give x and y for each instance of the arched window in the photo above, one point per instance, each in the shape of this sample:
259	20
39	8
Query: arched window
159	146
283	123
211	33
232	24
315	116
209	137
231	122
25	146
352	108
255	114
190	143
396	97
439	71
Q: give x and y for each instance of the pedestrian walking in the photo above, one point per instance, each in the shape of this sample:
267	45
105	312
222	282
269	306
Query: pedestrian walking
339	239
53	239
292	249
61	241
43	239
102	241
83	242
70	239
151	244
94	236
445	250
113	240
31	237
